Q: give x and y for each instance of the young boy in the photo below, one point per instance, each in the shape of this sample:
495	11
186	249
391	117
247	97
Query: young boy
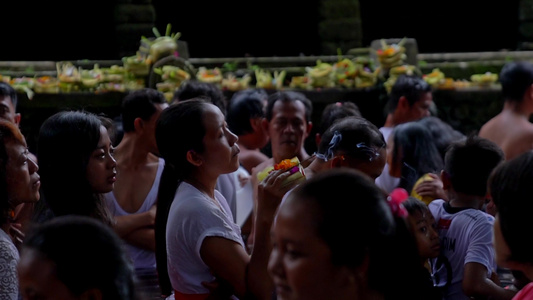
467	263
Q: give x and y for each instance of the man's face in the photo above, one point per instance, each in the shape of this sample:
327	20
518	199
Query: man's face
420	108
288	128
7	110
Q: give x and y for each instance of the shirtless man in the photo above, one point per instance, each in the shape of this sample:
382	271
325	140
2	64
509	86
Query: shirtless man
133	199
511	128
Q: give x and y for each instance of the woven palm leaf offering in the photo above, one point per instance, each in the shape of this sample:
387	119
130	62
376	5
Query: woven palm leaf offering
160	46
292	164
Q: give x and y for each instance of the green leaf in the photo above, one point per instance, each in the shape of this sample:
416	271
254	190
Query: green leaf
156	32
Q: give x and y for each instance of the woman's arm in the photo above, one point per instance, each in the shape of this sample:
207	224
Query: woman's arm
229	261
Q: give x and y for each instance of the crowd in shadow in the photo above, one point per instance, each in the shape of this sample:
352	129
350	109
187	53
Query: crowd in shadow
181	201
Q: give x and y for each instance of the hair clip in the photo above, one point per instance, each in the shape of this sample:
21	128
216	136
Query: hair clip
335	140
395	200
371	152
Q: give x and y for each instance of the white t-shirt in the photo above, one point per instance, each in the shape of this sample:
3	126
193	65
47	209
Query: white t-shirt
385	181
245	200
465	236
227	185
192	217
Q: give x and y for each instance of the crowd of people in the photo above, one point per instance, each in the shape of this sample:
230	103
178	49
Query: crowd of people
168	203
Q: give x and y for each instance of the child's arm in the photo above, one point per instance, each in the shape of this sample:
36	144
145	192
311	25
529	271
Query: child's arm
476	284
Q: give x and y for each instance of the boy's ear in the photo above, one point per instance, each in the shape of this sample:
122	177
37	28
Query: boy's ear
445	178
336	162
138	124
265	124
403	103
256	123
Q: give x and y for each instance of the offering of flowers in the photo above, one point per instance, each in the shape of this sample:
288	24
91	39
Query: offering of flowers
161	46
435	77
172	77
69	77
396	71
46	84
231	83
114	74
172	73
393	55
265	80
91	78
485	79
137	65
23	85
296	170
366	73
345	72
299	82
209	75
321	75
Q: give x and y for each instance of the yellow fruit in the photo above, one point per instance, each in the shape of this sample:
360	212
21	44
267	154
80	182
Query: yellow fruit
425	199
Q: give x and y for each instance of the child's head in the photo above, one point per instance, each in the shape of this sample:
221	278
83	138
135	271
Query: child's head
422	223
333	112
468	164
75	257
510	188
338	227
356	143
411	153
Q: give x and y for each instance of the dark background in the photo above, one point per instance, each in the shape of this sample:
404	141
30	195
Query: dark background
78	30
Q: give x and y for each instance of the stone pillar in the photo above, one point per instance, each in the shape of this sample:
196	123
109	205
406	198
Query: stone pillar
525	25
133	19
339	26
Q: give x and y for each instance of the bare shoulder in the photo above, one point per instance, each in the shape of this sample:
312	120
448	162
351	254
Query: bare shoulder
488	128
526	135
519	141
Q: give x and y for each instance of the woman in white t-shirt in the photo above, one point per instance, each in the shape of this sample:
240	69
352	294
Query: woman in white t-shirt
194	223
